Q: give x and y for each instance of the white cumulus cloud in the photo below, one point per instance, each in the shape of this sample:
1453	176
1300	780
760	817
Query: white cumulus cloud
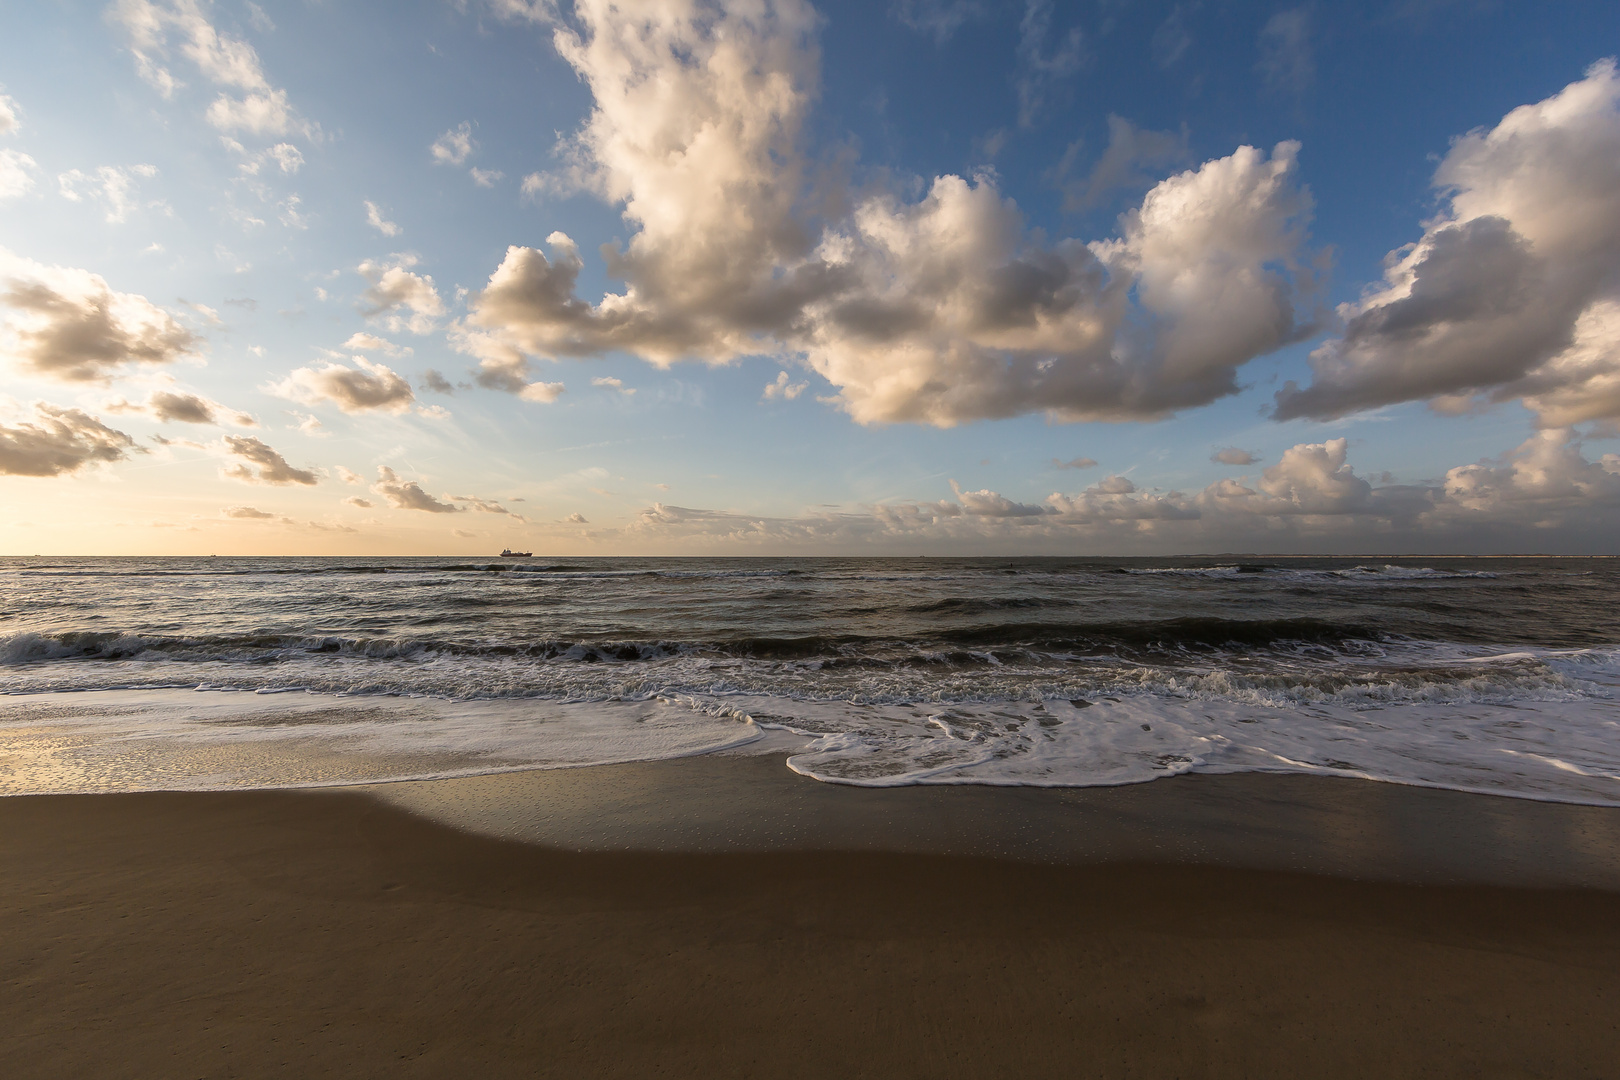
1512	291
939	310
395	289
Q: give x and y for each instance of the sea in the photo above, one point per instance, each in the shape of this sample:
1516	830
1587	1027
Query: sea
1495	675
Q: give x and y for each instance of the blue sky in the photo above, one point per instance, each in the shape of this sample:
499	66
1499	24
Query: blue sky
289	278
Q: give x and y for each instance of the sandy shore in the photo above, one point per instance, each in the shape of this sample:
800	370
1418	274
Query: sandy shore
315	934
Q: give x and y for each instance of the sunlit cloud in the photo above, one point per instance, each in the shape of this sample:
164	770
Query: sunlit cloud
57	441
260	464
408	494
1513	291
247	102
394	290
68	324
936	310
366	387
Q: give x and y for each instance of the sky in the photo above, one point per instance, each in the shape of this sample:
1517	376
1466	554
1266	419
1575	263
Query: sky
767	277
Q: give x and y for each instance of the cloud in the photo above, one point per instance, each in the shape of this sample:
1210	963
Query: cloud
373	387
432	380
1512	291
938	19
990	504
455	146
247	512
284	156
357	501
408	494
1543	482
535	11
609	382
1310	496
1171	40
349	476
1116	498
59	441
1075	463
272	467
783	388
110	184
9	122
168	405
1231	455
1132	151
374	218
543	393
1286	63
938	310
68	324
485	506
576	518
395	287
360	340
485	178
1310	478
1039	67
248	103
16	174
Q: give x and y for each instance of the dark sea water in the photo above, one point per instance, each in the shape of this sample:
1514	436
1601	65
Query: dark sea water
1492	675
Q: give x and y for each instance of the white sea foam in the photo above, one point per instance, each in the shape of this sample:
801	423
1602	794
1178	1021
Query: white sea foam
180	740
199	741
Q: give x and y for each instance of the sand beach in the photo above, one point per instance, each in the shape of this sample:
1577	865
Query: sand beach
652	920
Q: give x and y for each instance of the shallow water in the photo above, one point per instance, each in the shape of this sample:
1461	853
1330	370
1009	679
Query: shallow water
1495	675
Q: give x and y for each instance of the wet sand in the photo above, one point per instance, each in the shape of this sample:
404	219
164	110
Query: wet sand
333	933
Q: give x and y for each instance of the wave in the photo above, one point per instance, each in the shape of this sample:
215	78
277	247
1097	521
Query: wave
1102	638
1385	574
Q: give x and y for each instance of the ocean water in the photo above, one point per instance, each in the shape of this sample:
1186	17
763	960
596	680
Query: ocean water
1488	675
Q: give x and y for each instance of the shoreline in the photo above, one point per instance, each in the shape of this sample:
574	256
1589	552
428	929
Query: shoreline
752	802
327	933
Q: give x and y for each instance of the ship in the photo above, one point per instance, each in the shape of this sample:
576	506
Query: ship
507	553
